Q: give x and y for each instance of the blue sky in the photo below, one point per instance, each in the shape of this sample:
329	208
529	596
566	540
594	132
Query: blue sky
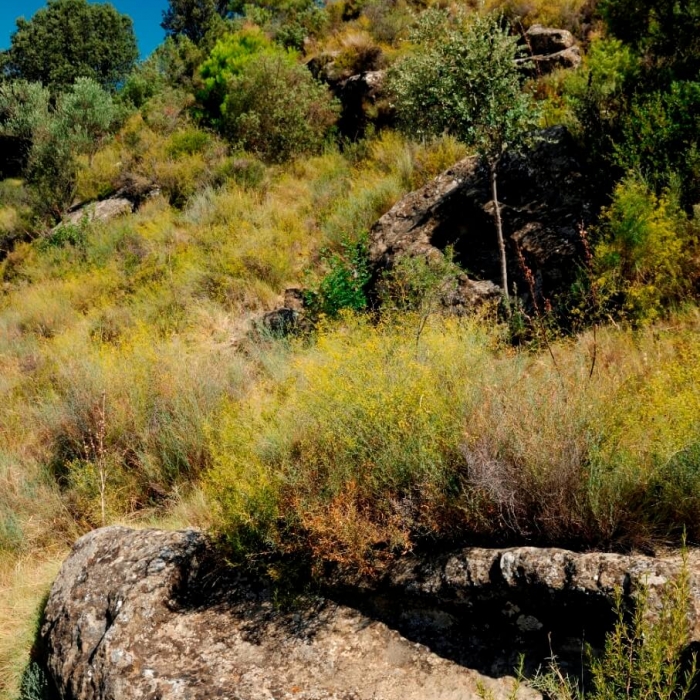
147	15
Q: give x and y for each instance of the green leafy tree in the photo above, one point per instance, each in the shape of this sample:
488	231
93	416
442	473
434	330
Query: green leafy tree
173	65
463	80
69	39
227	59
194	18
56	131
247	84
89	113
24	108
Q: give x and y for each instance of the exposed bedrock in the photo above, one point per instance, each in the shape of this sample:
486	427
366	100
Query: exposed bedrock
546	197
152	614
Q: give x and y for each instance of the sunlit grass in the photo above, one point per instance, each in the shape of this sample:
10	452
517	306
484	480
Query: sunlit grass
372	443
24	582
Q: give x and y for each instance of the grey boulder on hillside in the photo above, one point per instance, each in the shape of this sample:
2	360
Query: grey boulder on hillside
550	49
153	614
545	199
127	619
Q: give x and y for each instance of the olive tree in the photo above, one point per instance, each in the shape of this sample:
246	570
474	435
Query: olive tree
463	79
277	110
55	131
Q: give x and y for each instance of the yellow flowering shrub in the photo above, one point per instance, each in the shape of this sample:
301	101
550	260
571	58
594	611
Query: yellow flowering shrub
370	443
640	264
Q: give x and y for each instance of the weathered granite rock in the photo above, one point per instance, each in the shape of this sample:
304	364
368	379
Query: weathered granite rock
361	93
103	211
547	40
146	614
567	59
289	318
490	610
545	197
558	572
364	101
132	191
550	49
127	618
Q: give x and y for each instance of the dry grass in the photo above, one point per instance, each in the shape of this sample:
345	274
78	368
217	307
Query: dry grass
371	444
24	582
145	311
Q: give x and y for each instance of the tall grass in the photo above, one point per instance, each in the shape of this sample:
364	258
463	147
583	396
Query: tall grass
143	315
23	585
373	443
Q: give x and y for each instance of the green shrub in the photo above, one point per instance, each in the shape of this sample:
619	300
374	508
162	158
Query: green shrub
417	284
661	139
227	60
675	490
259	116
243	170
297	25
171	66
645	654
345	284
368	443
34	684
188	142
640	263
67	234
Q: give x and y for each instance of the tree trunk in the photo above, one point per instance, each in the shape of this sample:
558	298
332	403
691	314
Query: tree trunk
499	231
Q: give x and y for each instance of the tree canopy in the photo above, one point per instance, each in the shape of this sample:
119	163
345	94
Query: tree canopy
463	79
70	39
193	18
55	130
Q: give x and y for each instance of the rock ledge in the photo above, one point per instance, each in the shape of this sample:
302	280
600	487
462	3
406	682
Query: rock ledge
144	614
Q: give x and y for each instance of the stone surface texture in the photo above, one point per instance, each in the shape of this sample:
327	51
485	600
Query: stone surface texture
550	49
594	574
103	211
544	198
120	624
144	614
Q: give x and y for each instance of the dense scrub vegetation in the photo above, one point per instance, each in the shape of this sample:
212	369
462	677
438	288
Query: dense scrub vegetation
132	388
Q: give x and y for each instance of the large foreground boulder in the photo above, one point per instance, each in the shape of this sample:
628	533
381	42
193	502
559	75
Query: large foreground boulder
150	614
128	618
546	198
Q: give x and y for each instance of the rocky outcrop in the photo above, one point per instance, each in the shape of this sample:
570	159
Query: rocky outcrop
364	102
137	614
145	614
550	49
556	572
103	211
362	95
545	198
289	318
132	191
548	40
